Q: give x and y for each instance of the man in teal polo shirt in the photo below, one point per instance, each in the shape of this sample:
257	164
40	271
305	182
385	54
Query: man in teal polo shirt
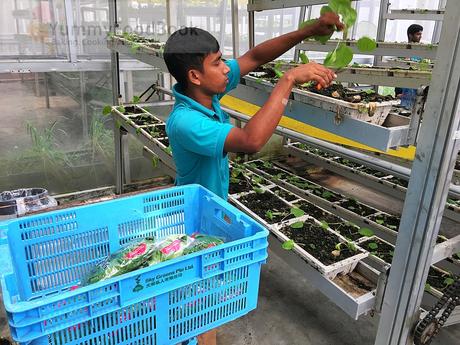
200	133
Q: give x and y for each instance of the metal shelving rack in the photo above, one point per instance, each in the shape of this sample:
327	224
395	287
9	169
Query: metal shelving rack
432	169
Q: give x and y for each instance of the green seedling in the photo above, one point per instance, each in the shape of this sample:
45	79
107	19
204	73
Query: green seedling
297	212
324	225
326	195
297	225
366	232
338	248
373	246
288	245
267	164
272	214
258	190
107	110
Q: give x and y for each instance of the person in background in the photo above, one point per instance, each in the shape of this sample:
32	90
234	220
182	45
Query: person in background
407	96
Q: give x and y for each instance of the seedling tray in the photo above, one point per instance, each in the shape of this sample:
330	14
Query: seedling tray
332	270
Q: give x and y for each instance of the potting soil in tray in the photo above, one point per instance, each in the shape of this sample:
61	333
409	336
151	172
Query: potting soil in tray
130	110
347	162
158	131
398	181
373	172
347	230
327	194
284	194
143	120
437	279
318	242
240	185
260	203
391	222
338	91
268	168
318	213
379	249
357	207
164	141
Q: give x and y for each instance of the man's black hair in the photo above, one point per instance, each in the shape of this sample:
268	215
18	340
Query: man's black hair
186	49
413	29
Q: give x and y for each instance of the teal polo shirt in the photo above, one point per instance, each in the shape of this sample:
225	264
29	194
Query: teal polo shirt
197	136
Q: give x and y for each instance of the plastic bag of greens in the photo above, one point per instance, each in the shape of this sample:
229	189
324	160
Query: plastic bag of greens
131	257
201	242
171	247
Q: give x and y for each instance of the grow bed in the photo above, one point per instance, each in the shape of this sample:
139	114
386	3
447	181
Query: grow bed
322	248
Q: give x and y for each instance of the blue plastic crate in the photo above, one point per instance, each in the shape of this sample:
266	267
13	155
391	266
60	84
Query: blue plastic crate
162	304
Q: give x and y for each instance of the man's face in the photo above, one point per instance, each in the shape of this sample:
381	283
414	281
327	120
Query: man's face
416	37
214	78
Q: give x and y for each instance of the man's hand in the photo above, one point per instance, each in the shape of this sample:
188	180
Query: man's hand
311	72
326	25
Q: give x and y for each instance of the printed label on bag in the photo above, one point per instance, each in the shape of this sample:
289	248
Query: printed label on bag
173	247
137	251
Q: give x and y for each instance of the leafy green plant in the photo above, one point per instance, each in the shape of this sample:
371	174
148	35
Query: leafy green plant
366	232
326	194
342	55
258	190
288	245
272	214
366	44
297	225
324	225
107	110
303	58
373	246
339	246
297	212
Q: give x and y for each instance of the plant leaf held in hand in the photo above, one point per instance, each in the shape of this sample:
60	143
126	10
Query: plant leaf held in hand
304	58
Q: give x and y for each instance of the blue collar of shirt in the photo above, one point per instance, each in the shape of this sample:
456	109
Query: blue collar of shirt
181	98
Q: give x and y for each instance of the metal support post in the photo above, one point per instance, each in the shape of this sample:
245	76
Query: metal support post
37	85
251	29
438	24
84	109
72	38
47	91
129	89
416	116
382	26
303	11
431	173
119	133
125	160
235	29
223	22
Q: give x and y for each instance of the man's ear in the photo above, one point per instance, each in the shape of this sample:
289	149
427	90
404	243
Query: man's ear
194	76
